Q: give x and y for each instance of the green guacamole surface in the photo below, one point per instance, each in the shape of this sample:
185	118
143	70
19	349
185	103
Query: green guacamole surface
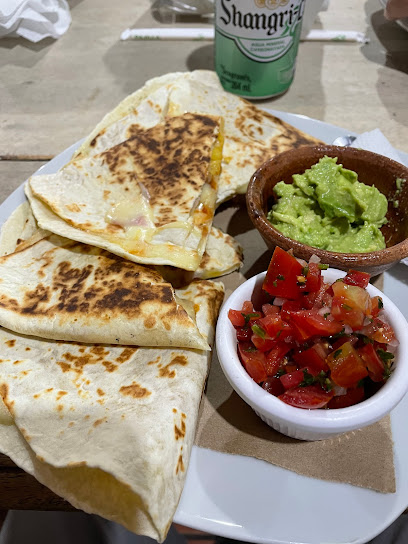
327	207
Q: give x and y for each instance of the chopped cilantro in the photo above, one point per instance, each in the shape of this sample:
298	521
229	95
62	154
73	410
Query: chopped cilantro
308	379
367	340
305	270
385	356
326	315
280	277
247	317
387	372
280	373
275	283
323	266
336	353
256	329
380	303
250	349
346	307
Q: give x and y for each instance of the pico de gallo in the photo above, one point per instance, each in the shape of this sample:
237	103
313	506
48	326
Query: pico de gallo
314	344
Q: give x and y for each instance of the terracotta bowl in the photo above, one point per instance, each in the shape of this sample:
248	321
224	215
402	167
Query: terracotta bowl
372	169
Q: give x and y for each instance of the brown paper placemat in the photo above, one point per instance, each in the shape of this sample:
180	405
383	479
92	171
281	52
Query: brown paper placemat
227	424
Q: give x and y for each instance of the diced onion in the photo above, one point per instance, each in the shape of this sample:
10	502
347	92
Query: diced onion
302	262
278	301
348	329
314	259
339	391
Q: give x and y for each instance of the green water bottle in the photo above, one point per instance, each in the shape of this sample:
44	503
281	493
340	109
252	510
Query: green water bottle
256	44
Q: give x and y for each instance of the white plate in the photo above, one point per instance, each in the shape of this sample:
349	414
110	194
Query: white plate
251	500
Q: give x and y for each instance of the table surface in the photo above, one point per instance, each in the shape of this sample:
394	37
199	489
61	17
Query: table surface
54	92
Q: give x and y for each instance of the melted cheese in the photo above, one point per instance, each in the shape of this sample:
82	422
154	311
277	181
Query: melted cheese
181	243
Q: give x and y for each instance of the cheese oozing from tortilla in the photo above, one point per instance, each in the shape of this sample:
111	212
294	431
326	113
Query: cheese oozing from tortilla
150	199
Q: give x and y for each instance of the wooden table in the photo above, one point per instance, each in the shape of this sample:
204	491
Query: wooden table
53	93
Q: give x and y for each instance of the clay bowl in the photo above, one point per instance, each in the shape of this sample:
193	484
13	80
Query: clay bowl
372	169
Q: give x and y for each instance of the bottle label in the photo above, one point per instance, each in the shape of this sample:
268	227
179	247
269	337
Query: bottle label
256	44
264	31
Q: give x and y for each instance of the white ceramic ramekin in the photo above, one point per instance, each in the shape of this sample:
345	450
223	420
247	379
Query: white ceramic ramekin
297	422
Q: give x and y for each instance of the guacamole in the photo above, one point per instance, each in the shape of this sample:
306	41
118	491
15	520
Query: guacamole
327	207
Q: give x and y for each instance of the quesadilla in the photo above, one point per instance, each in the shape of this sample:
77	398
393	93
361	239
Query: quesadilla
251	134
149	199
223	254
108	428
64	290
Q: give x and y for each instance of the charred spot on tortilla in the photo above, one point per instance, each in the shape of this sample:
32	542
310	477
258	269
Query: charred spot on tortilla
126	354
180	464
134	390
110	367
168	372
99	421
10	343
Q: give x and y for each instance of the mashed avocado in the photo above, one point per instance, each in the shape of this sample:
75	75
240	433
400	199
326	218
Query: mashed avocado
327	207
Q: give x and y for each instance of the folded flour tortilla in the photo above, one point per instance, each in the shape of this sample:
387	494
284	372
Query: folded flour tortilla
251	135
109	428
223	254
149	199
65	290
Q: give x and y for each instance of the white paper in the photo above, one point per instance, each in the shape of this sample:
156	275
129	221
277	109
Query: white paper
34	20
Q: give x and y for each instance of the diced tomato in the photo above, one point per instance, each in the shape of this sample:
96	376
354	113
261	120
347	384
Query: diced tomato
312	357
314	278
376	306
236	317
281	279
346	367
343	313
248	307
273	386
353	396
373	363
295	377
343	339
253	362
290	306
379	331
320	298
243	334
263	344
354	277
310	397
292	379
309	323
270	309
275	327
353	296
275	357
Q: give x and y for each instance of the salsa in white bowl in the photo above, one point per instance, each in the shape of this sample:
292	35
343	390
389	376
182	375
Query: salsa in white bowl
302	383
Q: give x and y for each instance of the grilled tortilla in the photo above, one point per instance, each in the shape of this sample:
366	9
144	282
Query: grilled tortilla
251	135
64	290
108	428
223	254
150	199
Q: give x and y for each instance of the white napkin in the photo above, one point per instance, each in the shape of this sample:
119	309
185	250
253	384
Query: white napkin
34	19
375	141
